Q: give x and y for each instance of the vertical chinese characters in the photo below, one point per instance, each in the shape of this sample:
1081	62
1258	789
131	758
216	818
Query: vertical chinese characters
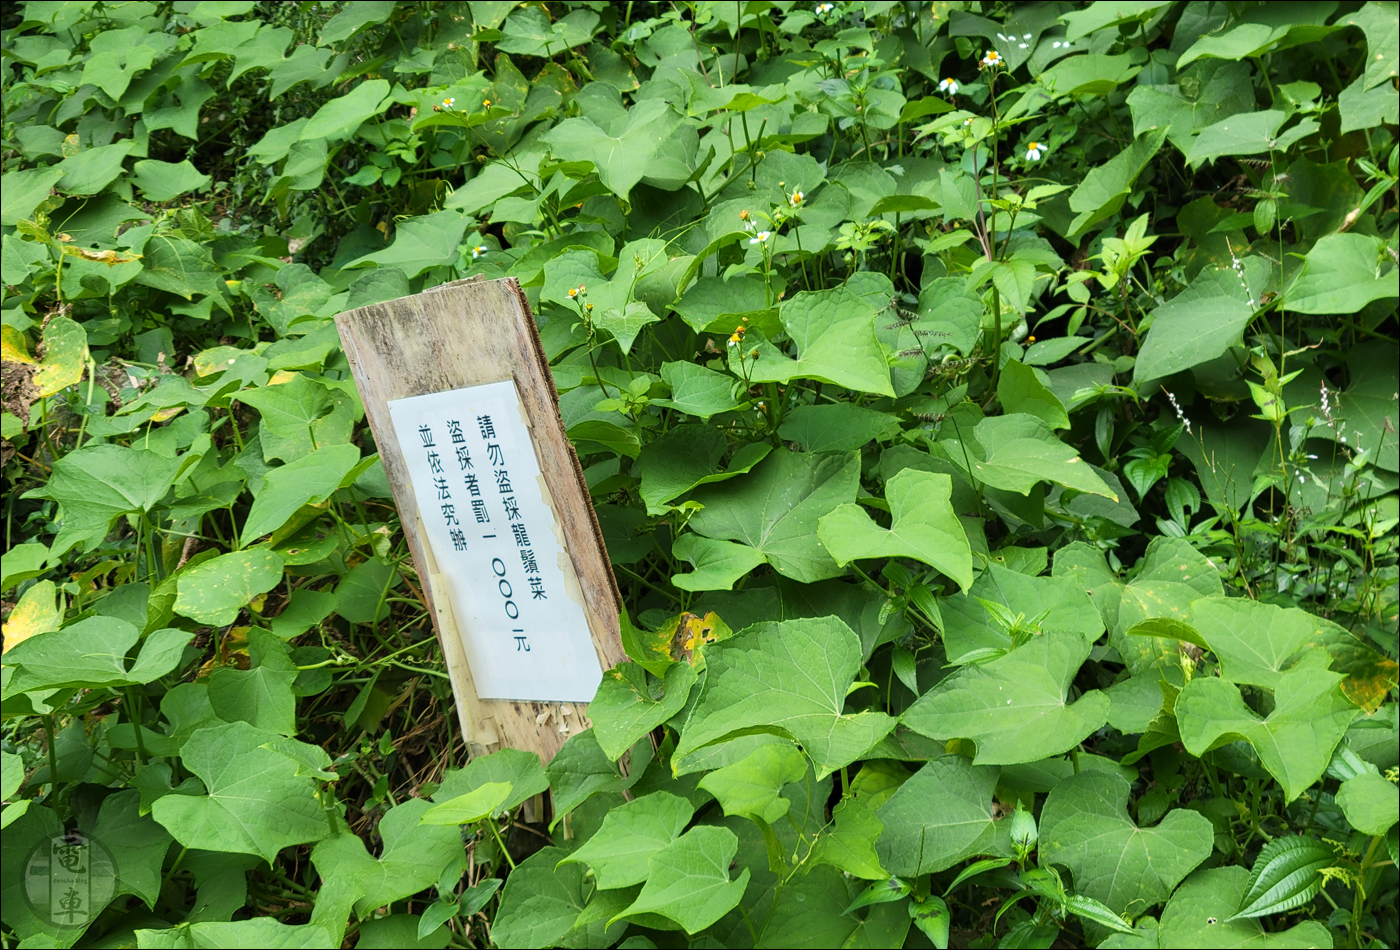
519	530
441	487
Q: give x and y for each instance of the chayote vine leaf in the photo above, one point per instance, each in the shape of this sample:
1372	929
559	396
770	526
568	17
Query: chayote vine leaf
1085	826
619	851
939	816
775	509
1015	707
791	679
924	527
1294	742
688	880
257	802
214	591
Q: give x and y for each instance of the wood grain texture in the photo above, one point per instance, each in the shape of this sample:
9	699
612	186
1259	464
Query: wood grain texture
467	333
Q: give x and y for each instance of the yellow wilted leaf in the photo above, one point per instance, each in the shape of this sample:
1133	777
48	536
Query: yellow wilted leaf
37	612
233	651
110	258
170	412
65	353
685	637
13	346
281	376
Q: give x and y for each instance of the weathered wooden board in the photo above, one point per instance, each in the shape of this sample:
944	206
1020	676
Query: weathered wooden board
469	333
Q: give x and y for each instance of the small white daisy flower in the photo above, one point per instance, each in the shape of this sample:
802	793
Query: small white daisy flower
796	198
824	8
449	102
991	58
479	250
1034	151
950	86
760	237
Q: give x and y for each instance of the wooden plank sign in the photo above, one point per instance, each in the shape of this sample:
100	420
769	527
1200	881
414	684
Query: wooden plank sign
494	507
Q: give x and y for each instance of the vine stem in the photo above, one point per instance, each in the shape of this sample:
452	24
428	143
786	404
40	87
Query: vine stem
495	833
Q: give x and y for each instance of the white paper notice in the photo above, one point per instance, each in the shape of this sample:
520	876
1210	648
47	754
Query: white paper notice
479	492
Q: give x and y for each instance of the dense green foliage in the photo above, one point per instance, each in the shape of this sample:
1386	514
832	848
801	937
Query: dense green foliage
990	410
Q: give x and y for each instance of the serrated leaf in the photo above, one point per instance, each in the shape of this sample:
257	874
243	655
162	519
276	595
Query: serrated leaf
1285	875
1198	915
1085	826
788	678
1090	909
924	527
